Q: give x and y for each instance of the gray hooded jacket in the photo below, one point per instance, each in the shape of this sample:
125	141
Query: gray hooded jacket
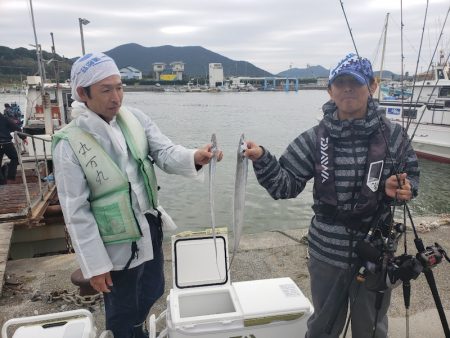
329	241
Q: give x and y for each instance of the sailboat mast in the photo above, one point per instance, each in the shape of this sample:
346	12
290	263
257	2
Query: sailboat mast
383	51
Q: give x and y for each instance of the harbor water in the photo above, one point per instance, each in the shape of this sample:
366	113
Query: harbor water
272	119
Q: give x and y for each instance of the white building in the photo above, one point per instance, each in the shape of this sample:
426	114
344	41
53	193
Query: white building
215	75
177	69
129	73
158	68
322	81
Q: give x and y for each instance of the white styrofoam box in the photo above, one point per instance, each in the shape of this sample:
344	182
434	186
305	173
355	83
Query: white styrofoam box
68	324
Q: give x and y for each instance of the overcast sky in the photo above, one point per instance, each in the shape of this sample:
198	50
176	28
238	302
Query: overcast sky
271	34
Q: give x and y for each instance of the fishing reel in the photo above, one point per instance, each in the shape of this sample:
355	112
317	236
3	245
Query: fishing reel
432	256
383	270
388	272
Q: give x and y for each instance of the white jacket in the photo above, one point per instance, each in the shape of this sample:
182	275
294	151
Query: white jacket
93	256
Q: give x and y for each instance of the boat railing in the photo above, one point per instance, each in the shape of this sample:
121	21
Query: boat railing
39	156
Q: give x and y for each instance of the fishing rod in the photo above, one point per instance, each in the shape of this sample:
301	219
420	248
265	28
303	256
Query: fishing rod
418	59
423	254
418	242
426	104
368	86
428	69
355	271
402	56
410	116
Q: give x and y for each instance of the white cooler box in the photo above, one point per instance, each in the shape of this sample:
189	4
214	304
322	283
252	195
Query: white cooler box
203	302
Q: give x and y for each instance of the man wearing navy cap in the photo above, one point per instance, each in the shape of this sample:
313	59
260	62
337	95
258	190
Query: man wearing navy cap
349	157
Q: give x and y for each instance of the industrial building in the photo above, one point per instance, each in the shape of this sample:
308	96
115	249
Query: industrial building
215	75
172	73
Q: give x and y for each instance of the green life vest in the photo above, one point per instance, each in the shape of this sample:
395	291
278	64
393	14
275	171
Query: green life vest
109	188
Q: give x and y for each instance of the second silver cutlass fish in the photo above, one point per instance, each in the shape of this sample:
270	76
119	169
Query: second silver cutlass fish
240	184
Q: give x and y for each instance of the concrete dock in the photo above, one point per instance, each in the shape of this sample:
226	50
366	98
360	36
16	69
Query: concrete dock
29	282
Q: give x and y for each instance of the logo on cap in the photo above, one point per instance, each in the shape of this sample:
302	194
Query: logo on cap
359	68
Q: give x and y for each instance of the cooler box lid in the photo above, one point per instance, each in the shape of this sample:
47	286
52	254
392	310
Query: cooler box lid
68	324
195	263
269	300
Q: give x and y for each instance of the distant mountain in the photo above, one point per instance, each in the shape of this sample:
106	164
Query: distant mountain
319	71
303	73
196	60
388	75
21	62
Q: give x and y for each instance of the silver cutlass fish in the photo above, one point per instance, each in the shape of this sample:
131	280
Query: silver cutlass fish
212	175
239	194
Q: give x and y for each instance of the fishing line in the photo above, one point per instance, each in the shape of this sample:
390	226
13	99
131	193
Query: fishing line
422	114
405	37
402	60
388	150
212	175
418	242
430	65
417	65
428	101
404	148
380	121
382	126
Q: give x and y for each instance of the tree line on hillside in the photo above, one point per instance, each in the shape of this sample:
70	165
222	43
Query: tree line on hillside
16	64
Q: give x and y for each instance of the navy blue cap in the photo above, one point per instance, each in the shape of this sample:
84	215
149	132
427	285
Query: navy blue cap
360	69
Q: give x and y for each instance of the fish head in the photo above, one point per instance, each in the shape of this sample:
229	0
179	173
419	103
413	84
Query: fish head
242	146
214	147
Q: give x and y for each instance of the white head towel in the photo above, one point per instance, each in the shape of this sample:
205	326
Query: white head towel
89	69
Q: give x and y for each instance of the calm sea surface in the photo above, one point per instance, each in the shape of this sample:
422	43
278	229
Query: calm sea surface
272	119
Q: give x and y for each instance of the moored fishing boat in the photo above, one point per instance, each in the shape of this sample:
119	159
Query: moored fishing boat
29	201
47	106
428	113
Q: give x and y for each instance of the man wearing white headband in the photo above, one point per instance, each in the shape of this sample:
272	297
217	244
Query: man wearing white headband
109	195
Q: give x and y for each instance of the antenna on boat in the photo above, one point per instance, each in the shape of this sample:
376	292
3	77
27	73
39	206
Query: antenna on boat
44	96
38	47
56	65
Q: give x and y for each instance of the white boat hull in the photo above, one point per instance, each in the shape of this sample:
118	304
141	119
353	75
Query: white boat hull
431	140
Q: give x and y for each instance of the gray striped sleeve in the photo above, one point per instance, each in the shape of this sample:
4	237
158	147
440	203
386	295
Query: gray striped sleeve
287	177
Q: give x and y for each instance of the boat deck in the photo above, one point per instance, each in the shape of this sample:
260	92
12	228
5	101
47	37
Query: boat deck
15	210
6	230
14	206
